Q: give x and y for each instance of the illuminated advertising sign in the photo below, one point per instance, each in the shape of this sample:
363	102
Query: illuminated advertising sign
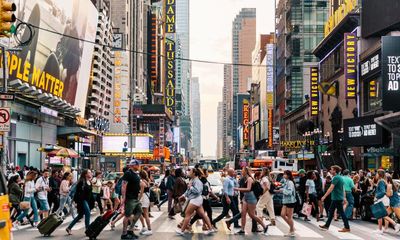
121	87
350	64
245	123
362	131
314	93
270	75
170	86
154	57
339	14
270	128
391	73
121	144
170	16
56	64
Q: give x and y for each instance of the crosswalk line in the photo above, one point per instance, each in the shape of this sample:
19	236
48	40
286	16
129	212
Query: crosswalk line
368	231
302	230
333	230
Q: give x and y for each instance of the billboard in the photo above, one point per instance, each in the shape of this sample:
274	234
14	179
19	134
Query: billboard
270	128
350	64
391	73
314	93
121	87
388	20
170	7
121	143
362	131
245	122
57	64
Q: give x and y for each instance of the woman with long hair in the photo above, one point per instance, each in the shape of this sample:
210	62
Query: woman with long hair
357	195
394	203
380	195
266	200
311	193
320	193
195	204
29	196
144	197
96	188
64	191
83	198
15	194
288	201
249	202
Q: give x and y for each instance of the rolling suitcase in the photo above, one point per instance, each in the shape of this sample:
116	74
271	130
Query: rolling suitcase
99	224
49	224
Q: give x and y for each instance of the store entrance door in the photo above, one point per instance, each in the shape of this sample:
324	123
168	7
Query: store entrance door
21	159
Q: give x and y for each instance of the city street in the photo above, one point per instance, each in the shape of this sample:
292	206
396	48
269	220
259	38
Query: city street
164	228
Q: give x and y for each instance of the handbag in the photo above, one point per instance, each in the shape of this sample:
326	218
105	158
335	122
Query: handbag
306	210
185	205
24	205
378	210
384	200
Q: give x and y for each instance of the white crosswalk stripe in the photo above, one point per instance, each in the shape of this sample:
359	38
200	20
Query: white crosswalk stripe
335	231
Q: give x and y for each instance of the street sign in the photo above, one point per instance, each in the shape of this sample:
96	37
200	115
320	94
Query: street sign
5	119
7	96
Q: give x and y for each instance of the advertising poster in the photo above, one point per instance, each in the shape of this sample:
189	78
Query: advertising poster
121	87
362	131
270	128
391	73
314	92
245	123
350	64
56	63
170	85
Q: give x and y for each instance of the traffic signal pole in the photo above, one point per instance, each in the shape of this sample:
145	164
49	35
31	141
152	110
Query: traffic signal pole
4	135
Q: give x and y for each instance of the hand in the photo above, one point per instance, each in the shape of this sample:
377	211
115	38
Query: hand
345	202
323	199
228	201
235	189
181	198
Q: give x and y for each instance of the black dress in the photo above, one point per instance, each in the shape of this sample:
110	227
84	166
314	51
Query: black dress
356	195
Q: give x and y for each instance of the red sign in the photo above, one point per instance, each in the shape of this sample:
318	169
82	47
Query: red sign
245	123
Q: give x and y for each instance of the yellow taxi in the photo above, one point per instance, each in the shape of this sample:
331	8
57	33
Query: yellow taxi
5	222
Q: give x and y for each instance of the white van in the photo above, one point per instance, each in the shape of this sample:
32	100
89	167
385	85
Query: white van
282	164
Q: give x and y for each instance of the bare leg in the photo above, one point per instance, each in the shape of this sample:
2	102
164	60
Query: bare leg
244	213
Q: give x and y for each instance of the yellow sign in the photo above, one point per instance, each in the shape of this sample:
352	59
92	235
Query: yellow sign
339	15
170	16
170	87
270	99
295	144
386	164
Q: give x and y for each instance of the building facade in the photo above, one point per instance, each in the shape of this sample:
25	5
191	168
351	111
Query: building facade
196	117
220	130
243	42
227	100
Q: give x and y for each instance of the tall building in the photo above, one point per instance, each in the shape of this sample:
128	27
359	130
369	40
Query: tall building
243	42
183	72
101	83
196	117
299	28
220	130
227	111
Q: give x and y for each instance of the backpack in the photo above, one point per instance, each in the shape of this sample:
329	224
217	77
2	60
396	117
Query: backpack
257	189
163	187
206	189
118	187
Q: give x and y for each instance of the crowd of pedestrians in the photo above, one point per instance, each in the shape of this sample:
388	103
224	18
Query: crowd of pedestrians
332	194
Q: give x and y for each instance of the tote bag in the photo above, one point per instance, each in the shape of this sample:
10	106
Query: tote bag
378	210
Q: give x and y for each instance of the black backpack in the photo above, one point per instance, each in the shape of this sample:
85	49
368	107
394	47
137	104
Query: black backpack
257	189
271	187
206	190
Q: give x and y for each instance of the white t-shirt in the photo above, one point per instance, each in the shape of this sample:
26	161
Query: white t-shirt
41	185
311	186
265	181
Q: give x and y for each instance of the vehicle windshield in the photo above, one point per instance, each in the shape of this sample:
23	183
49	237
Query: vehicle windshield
214	181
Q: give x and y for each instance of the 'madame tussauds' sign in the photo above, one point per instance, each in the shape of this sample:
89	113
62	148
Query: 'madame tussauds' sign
391	73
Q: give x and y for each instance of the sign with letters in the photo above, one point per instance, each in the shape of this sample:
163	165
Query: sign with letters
350	64
170	86
170	16
245	123
362	131
314	92
391	73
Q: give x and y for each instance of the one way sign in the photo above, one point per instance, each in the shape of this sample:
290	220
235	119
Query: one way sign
5	119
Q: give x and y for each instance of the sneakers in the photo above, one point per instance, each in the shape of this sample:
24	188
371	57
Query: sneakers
129	236
378	232
179	232
241	232
208	232
290	234
142	231
147	233
323	227
397	228
344	230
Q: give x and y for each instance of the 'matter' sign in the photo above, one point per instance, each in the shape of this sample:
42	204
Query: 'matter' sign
391	73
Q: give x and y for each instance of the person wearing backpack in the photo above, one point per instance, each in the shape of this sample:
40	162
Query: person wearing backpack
266	199
249	203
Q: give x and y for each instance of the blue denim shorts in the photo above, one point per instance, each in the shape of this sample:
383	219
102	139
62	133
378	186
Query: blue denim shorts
250	198
44	205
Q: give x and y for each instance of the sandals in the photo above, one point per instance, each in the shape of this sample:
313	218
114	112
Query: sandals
112	226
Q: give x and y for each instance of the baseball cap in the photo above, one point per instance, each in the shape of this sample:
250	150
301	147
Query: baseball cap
133	162
302	171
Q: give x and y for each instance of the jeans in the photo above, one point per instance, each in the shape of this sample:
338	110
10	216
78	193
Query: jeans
34	209
97	198
337	204
350	205
63	201
86	212
225	209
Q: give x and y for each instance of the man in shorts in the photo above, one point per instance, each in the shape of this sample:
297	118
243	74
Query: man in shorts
42	188
130	197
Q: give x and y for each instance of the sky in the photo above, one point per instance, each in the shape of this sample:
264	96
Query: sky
211	39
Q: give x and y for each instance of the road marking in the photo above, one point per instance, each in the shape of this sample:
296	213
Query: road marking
302	230
335	231
368	231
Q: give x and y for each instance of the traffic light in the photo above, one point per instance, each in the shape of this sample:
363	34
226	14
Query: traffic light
7	17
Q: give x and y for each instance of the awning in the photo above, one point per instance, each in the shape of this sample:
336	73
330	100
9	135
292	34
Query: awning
75	131
390	122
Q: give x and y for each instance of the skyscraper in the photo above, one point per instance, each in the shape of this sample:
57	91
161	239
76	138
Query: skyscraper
196	117
220	130
227	110
243	42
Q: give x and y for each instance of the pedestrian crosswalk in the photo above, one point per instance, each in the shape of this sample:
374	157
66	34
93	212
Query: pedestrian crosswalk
161	224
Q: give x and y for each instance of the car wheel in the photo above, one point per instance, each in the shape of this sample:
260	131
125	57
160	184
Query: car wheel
364	213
